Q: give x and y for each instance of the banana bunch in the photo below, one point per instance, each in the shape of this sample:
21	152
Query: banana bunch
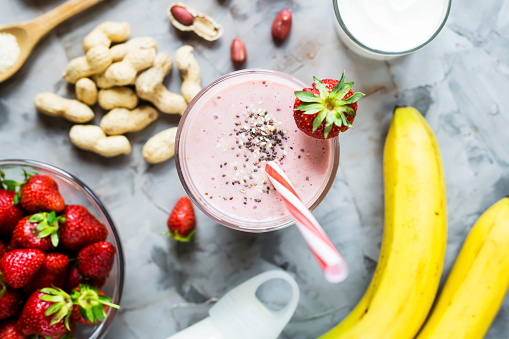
478	281
411	258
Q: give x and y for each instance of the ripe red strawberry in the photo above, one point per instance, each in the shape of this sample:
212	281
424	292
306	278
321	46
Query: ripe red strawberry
18	267
95	261
9	330
80	229
182	222
38	231
25	236
10	300
46	313
10	214
74	279
40	194
90	305
53	273
326	109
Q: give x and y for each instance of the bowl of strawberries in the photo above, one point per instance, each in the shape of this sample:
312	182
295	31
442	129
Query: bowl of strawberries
61	260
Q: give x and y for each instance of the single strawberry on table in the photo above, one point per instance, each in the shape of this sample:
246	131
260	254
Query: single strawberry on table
39	231
10	300
327	108
47	312
9	330
18	267
40	193
182	222
95	261
53	273
80	229
90	305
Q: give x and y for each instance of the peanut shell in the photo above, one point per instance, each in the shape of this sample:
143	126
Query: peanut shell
202	24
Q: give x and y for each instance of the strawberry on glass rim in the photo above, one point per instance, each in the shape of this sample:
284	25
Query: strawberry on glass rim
327	108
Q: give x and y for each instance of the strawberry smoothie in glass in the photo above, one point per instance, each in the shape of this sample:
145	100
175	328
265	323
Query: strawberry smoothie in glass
227	134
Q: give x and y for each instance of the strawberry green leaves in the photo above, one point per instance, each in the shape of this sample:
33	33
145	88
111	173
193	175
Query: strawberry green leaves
341	89
7	184
14	184
178	237
307	96
47	225
329	121
313	104
61	307
330	105
91	303
320	86
352	99
3	286
318	120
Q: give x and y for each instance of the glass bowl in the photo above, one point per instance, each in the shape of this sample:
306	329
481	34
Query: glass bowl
220	216
358	47
74	191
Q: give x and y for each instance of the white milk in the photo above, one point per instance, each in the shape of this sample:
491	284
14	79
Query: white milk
394	26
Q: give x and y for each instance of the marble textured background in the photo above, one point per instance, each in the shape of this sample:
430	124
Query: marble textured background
459	82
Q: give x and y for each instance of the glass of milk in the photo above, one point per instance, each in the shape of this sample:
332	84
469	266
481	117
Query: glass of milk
384	29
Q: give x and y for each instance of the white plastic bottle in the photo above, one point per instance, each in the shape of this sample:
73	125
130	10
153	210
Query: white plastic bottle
240	314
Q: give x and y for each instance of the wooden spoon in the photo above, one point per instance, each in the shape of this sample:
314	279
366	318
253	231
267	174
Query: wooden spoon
29	33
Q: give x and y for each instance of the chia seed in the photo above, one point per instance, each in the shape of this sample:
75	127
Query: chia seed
256	132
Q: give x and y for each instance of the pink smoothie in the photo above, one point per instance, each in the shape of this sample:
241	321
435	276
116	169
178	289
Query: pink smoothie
235	131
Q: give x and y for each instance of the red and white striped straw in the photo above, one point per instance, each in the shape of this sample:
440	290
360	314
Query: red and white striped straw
332	263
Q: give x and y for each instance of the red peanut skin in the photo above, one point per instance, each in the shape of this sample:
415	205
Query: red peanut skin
282	25
238	52
182	15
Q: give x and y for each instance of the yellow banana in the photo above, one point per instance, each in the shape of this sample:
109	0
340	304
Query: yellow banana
413	247
478	281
